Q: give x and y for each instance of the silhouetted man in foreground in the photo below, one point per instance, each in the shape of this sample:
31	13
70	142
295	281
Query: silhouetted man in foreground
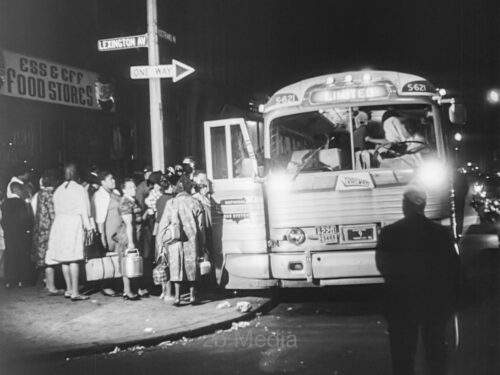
418	261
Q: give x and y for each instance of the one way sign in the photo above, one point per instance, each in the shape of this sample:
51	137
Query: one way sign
176	71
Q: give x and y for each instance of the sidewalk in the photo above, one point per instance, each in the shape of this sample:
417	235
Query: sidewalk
35	324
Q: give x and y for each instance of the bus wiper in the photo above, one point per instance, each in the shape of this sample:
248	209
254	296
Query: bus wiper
309	158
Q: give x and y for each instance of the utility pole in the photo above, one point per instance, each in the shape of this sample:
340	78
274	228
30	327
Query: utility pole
155	102
154	72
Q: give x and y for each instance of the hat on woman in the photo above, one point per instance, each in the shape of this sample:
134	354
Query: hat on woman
155	178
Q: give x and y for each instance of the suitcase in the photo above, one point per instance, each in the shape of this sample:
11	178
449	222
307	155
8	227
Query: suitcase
106	267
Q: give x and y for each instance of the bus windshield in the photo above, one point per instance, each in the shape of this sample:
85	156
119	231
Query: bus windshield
352	138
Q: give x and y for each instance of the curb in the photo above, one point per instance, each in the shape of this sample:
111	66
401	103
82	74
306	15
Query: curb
193	332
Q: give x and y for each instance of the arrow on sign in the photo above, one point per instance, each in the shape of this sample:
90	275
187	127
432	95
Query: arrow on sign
181	70
176	71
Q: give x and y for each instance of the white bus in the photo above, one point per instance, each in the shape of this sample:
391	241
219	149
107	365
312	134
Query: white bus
299	199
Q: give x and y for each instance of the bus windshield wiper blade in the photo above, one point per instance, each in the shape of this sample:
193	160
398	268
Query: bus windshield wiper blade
308	159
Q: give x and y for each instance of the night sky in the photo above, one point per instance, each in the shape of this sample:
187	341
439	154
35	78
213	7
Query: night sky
250	48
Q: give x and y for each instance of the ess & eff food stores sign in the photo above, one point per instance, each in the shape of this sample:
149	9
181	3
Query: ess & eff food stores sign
27	77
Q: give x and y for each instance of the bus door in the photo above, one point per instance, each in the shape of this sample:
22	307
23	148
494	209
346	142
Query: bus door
239	227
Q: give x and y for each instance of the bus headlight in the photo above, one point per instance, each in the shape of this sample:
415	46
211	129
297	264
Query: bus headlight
296	236
433	174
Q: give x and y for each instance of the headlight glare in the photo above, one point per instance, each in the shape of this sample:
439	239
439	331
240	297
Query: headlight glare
433	174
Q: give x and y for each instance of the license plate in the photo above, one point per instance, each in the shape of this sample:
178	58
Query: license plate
359	233
327	233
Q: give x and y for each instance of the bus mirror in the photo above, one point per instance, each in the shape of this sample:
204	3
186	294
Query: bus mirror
457	114
261	171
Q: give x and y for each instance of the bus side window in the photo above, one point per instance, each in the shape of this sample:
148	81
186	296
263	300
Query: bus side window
239	153
219	155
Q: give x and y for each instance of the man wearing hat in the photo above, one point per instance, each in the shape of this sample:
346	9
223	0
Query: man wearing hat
143	188
189	166
418	261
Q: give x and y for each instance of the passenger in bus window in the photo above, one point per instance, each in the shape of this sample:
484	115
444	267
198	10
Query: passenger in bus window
363	156
416	141
360	131
394	130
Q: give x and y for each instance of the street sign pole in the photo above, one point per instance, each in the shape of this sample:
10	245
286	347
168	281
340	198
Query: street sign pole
155	102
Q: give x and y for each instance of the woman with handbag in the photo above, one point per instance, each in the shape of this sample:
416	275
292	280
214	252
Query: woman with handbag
202	193
185	238
105	203
126	236
161	271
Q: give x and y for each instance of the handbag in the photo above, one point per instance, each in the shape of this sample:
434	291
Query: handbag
88	237
161	271
94	249
132	264
173	233
106	267
205	267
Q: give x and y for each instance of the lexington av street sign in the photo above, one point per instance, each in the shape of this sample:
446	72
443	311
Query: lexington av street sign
126	42
129	42
176	71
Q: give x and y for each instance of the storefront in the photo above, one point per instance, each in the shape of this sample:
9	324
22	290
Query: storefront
51	113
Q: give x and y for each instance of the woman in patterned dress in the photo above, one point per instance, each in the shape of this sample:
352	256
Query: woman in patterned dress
44	217
72	211
126	237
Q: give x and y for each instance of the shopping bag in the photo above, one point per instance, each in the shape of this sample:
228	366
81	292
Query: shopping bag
106	267
161	271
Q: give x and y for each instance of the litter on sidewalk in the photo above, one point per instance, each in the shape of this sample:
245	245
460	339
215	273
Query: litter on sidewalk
243	306
237	325
223	305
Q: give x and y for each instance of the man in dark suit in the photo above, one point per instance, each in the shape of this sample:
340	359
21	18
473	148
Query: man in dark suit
418	261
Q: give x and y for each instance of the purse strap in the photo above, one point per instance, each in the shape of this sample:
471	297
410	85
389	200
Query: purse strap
114	269
103	269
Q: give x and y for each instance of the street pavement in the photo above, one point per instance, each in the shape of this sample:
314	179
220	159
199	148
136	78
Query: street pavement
33	324
321	331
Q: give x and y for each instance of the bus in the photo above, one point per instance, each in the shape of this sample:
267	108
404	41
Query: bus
299	198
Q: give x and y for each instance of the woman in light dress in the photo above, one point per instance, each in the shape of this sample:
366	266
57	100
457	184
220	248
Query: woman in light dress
72	211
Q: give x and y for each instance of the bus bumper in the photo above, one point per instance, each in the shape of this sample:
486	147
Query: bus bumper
326	267
304	269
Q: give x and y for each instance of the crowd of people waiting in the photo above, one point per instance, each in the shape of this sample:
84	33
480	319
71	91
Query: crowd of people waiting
165	218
